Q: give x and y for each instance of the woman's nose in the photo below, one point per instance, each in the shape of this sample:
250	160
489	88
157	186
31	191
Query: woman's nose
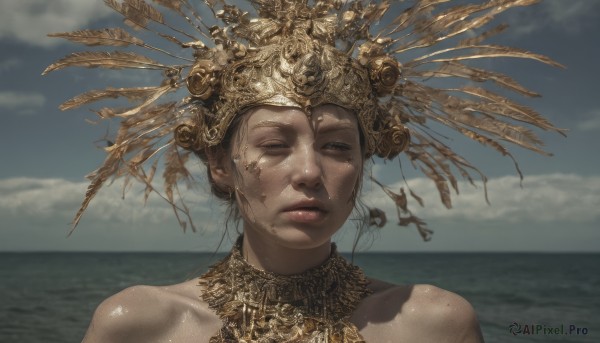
307	171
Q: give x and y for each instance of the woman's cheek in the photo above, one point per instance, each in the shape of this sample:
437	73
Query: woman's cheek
342	175
259	178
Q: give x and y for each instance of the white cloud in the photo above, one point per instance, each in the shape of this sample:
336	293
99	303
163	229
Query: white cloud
543	199
570	16
57	200
31	20
561	11
591	123
36	214
21	103
9	64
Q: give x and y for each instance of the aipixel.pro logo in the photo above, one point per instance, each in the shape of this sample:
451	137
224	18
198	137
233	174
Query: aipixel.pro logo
540	329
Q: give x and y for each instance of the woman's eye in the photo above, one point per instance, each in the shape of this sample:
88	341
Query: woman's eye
339	146
274	145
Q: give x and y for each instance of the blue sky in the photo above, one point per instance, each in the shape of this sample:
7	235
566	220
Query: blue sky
45	153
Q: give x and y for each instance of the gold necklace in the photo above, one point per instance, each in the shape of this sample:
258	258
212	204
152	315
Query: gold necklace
259	306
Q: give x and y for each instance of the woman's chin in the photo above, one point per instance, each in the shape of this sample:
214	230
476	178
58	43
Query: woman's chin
299	236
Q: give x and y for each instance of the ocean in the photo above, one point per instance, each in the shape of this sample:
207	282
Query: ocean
50	297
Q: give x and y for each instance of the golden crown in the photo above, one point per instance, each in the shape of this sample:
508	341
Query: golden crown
355	54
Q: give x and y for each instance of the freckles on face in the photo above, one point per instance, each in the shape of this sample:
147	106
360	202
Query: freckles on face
294	171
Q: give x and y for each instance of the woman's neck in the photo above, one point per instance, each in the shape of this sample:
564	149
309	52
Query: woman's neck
270	256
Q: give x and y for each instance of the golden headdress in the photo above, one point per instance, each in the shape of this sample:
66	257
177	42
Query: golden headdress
361	55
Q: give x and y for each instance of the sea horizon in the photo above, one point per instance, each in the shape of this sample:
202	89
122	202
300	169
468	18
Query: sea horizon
50	296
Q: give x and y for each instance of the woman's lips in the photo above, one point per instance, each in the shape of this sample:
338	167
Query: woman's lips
305	215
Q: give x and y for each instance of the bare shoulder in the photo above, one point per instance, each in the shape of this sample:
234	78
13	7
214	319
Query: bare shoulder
416	313
151	314
448	316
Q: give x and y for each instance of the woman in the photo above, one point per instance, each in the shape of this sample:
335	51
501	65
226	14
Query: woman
290	210
285	109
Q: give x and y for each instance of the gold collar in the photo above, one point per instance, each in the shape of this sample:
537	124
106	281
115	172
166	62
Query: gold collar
259	306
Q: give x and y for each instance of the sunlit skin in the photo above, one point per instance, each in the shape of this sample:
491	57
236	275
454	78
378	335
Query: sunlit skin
292	174
294	178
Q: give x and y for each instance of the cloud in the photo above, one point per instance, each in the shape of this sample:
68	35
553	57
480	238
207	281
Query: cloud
543	199
57	200
591	123
21	103
9	64
569	16
31	20
36	214
563	12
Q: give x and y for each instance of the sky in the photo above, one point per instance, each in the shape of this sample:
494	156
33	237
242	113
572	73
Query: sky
45	153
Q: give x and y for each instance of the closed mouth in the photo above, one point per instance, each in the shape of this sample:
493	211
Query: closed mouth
305	214
312	206
305	209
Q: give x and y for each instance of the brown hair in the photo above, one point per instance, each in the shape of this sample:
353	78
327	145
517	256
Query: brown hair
216	153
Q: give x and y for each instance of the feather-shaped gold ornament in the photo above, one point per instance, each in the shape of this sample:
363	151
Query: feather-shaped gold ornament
92	96
112	37
110	60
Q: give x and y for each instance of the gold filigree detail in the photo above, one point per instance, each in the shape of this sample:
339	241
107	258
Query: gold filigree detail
202	80
384	72
186	136
394	140
259	306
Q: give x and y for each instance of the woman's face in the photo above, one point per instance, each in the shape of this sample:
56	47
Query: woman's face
295	176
